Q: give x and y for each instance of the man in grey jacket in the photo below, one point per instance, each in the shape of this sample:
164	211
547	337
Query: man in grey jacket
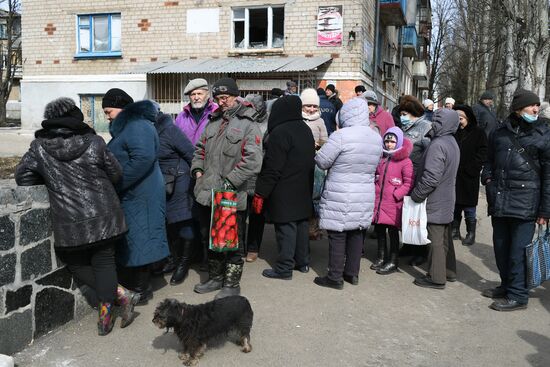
436	178
228	155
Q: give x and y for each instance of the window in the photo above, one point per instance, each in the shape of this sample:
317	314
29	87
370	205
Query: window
258	28
98	35
90	105
3	32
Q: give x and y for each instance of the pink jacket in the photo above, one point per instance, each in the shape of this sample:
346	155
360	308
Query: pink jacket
394	180
383	119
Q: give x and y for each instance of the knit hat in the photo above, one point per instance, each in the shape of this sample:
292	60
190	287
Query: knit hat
398	133
321	92
309	97
360	88
116	98
331	87
487	95
427	102
193	84
523	98
450	100
225	86
371	97
411	105
277	92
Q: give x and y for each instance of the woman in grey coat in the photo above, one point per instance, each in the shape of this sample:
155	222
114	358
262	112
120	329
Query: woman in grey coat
351	156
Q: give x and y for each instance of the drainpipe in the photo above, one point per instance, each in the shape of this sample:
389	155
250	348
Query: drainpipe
400	38
375	48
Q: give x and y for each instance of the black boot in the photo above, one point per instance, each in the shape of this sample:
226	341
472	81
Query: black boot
182	268
381	240
456	228
231	282
143	285
470	238
216	270
391	265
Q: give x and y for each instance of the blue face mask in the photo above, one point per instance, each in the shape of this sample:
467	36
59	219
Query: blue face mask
405	120
529	118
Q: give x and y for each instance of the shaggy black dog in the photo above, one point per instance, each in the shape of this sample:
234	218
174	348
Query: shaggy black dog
195	325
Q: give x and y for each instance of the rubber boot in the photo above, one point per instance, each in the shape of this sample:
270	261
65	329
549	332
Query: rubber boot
216	270
105	320
231	282
184	262
126	300
390	266
381	254
456	228
470	238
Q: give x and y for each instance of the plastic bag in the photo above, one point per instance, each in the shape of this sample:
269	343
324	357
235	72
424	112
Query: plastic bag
223	221
414	221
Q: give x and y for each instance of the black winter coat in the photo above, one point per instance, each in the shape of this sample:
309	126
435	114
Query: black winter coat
486	118
286	178
515	189
472	143
175	156
79	172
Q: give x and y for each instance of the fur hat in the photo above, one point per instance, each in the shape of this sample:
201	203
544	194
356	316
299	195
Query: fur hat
371	97
193	84
427	102
487	95
523	98
331	87
225	86
59	107
360	88
411	105
450	100
116	98
468	111
309	97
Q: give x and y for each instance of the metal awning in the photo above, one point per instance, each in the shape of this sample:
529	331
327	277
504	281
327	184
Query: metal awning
229	65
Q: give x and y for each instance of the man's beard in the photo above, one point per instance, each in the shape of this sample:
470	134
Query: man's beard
198	105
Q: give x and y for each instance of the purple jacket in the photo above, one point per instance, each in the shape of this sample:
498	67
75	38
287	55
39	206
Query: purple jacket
187	124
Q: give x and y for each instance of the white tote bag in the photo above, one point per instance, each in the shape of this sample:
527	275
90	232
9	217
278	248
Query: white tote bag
414	222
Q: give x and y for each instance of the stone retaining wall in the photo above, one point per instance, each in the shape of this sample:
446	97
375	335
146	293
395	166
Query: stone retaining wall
37	293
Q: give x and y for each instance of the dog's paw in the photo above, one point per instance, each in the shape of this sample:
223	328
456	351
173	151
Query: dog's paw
247	348
245	344
191	362
184	357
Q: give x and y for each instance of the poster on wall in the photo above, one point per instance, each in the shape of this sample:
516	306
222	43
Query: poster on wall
329	26
368	59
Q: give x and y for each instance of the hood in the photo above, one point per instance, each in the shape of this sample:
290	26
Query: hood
285	109
470	115
401	153
142	110
444	122
66	148
163	121
354	113
398	133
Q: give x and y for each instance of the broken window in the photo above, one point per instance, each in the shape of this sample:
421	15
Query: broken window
99	35
258	28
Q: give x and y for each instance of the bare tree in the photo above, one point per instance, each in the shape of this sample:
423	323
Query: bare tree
10	51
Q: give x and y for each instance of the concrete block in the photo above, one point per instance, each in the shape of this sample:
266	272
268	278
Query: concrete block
35	225
36	261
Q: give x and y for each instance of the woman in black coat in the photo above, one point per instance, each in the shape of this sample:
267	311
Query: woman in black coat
79	172
472	142
175	156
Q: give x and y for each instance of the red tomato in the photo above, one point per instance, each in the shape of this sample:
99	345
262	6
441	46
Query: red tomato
229	195
218	198
231	220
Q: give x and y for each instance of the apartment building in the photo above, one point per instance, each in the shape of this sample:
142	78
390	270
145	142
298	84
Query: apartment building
151	48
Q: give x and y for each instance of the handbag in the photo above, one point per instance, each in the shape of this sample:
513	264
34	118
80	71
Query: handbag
414	222
170	181
537	255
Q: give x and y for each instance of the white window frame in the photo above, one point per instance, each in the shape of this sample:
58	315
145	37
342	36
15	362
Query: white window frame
247	27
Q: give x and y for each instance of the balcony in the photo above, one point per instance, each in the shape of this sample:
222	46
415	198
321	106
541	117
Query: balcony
409	41
392	12
420	70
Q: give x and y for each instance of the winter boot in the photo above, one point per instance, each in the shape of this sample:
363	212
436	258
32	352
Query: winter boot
456	228
231	283
381	239
184	262
106	319
126	300
143	287
215	277
470	238
390	266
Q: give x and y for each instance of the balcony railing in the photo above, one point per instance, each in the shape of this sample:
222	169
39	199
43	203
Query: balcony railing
392	12
409	41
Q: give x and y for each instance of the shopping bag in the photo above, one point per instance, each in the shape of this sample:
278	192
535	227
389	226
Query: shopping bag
414	222
537	255
223	221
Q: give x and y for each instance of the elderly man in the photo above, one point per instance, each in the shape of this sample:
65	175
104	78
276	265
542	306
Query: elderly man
428	109
228	155
194	116
485	114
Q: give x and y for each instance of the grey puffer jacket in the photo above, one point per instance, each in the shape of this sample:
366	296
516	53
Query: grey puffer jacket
230	148
436	175
416	133
351	156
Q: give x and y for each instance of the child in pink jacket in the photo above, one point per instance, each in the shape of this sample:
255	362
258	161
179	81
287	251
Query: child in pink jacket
394	180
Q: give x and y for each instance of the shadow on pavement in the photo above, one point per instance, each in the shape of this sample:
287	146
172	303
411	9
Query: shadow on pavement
469	277
543	294
542	345
486	254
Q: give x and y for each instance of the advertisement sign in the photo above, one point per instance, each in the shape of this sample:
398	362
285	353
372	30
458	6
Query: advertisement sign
330	26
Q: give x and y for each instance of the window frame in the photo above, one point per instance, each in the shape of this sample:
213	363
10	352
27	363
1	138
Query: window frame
246	21
96	54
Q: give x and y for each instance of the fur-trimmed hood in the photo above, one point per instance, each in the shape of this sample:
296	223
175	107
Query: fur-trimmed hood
142	110
401	153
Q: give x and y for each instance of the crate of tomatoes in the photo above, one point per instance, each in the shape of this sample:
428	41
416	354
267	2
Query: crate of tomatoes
223	221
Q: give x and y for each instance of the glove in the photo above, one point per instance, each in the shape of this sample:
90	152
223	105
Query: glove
227	185
257	204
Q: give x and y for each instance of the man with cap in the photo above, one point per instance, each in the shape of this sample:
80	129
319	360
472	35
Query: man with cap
517	179
428	109
291	88
449	103
379	118
485	114
332	95
227	156
194	116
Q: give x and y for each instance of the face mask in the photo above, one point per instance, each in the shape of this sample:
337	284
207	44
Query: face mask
405	120
529	118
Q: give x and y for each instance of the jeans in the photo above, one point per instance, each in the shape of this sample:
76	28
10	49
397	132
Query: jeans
469	212
293	245
510	237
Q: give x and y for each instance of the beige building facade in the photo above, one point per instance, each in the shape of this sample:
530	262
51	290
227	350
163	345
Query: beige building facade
151	48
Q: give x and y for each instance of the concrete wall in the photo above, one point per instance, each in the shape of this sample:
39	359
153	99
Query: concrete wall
37	293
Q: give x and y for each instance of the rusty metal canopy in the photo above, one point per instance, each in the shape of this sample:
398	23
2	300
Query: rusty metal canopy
234	65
